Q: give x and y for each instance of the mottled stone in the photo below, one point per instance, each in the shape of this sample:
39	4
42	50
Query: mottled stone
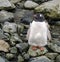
5	4
30	4
6	16
40	59
36	52
4	46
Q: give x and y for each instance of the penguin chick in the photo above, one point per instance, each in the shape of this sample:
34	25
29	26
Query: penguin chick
38	32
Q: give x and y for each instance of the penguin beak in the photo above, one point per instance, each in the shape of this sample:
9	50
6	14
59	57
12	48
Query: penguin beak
35	16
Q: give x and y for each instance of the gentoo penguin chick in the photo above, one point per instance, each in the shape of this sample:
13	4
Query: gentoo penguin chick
38	32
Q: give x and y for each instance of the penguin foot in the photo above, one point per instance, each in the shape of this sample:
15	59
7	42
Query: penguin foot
41	48
34	48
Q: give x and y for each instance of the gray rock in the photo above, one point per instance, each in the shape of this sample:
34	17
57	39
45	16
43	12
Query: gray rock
9	27
15	38
40	59
2	36
58	23
13	50
50	9
37	52
20	58
18	15
27	18
14	1
5	4
51	56
26	56
4	46
22	46
9	56
6	16
58	58
54	47
30	4
2	59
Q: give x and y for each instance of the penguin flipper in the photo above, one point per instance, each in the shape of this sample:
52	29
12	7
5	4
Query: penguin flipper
49	35
28	33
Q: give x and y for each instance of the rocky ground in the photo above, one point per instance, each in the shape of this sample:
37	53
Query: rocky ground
15	17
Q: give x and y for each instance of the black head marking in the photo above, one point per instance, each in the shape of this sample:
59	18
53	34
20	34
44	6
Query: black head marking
39	17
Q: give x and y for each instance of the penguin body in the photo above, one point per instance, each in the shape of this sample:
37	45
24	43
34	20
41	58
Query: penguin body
38	33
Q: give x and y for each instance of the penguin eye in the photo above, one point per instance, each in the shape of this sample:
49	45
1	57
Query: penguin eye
40	15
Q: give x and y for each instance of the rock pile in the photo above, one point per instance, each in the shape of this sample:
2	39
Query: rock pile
15	17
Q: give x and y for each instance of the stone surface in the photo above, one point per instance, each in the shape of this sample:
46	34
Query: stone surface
20	58
13	50
27	18
15	38
6	16
41	59
14	1
22	46
54	47
2	36
9	27
50	8
4	46
30	4
5	4
58	58
2	59
51	56
9	56
37	52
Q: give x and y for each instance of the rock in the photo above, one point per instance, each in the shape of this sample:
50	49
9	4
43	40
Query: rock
26	55
2	59
40	1
22	46
14	1
58	58
55	48
26	15
20	58
51	56
58	23
13	50
40	59
50	9
19	28
9	27
27	18
18	15
5	4
4	46
36	52
6	16
9	56
30	4
2	36
15	38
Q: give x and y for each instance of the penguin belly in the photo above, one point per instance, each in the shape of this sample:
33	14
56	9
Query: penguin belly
38	34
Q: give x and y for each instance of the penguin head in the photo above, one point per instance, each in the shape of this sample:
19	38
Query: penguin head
39	17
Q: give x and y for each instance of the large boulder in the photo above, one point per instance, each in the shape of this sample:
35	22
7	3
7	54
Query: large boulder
6	16
50	8
30	4
5	4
